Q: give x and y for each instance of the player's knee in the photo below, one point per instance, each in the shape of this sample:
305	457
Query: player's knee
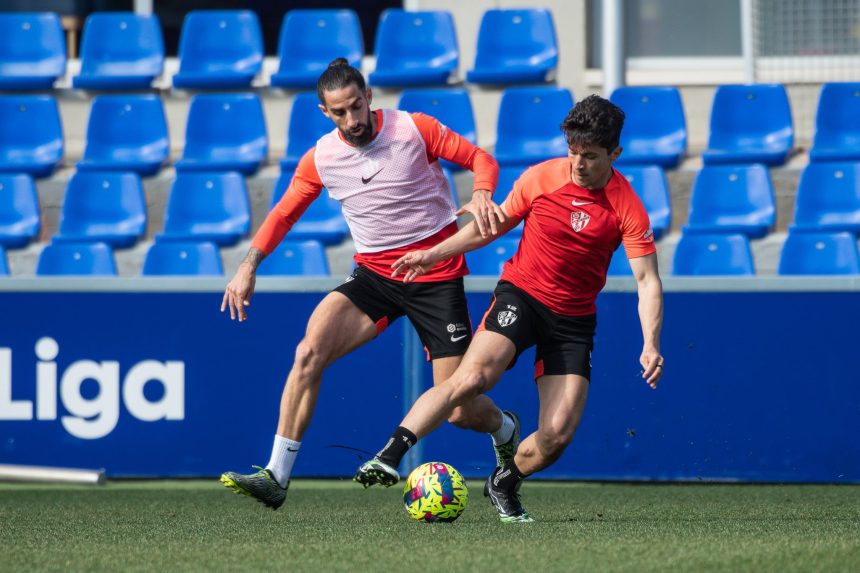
553	441
468	385
309	359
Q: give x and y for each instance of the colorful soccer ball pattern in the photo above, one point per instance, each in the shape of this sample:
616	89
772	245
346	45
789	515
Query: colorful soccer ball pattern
434	492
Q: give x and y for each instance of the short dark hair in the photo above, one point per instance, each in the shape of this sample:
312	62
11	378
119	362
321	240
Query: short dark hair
594	121
337	75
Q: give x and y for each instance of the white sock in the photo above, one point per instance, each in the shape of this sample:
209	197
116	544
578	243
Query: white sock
284	454
505	431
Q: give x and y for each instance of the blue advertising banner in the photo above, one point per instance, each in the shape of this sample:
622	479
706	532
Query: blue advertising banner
759	386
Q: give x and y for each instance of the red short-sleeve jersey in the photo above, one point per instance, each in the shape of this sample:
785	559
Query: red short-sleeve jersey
570	234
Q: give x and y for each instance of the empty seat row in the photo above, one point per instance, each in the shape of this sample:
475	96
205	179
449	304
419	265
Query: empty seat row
224	48
110	207
130	133
740	199
803	253
173	257
748	124
228	131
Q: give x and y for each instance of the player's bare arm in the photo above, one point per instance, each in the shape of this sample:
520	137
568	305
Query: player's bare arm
468	238
485	212
239	291
650	289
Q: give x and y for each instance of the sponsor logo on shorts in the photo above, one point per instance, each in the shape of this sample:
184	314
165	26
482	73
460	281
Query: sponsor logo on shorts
579	220
506	318
458	331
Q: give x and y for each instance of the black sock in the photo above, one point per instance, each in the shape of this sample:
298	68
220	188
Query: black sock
508	476
399	443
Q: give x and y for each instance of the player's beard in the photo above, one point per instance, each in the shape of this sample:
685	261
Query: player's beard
362	138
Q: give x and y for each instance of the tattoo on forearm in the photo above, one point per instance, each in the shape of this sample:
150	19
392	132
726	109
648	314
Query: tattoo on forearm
254	257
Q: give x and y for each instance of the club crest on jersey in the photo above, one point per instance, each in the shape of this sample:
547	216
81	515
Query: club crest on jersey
578	220
506	318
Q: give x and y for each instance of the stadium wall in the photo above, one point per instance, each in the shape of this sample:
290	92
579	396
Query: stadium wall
144	377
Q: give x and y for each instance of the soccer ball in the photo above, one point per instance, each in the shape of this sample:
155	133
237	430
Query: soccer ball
434	492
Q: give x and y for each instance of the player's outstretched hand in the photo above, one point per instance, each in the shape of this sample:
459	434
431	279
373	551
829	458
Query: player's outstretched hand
413	264
239	291
485	212
652	363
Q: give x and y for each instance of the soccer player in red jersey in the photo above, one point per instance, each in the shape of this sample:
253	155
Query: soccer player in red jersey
383	168
577	211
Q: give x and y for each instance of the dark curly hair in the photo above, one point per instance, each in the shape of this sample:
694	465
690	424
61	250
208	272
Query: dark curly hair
593	121
339	74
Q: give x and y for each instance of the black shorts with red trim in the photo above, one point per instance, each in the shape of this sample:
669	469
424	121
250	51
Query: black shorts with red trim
564	343
437	310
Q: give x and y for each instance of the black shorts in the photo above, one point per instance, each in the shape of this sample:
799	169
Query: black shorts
437	310
564	343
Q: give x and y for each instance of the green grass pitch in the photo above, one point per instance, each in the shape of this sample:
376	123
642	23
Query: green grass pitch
337	526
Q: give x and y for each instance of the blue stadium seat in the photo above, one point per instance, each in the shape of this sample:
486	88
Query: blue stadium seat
415	48
33	50
819	254
4	266
323	221
619	265
515	47
107	207
650	184
837	123
528	126
31	135
90	259
450	106
182	258
210	206
126	133
715	254
303	258
19	211
655	131
225	132
489	259
219	49
828	197
307	125
732	199
310	39
750	124
120	51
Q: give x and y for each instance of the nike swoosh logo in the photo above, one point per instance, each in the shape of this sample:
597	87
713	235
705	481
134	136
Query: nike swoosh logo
456	338
367	180
289	449
581	203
